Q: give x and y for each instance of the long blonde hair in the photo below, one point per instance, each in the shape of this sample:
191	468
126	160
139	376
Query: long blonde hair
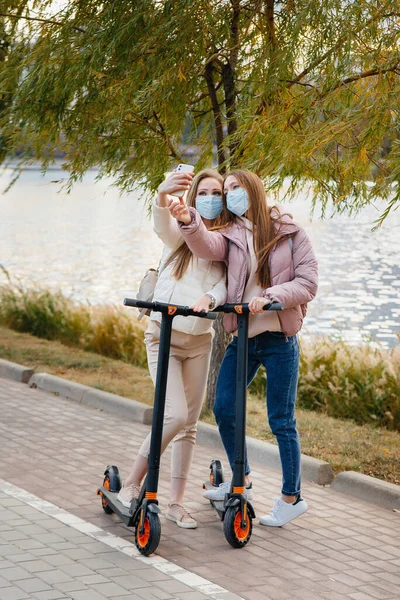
182	256
265	234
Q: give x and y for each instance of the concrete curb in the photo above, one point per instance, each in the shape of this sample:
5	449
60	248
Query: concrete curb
130	409
58	385
368	488
11	370
312	469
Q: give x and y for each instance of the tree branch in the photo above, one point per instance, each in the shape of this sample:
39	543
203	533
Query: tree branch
228	78
219	131
344	82
364	75
49	21
269	13
167	139
321	59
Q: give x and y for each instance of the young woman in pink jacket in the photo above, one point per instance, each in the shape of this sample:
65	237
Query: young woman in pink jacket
269	258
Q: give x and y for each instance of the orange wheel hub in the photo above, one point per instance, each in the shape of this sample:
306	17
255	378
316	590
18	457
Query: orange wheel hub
241	534
106	484
143	540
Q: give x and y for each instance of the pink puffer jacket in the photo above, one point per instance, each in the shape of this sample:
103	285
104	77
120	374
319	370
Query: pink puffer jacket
293	268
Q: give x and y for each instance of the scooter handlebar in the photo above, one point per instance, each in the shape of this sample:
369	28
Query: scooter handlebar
240	309
170	309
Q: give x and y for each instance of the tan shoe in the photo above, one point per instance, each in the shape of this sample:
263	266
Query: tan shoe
179	515
127	494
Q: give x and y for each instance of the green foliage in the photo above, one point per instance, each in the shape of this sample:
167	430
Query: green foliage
360	383
305	90
107	331
44	314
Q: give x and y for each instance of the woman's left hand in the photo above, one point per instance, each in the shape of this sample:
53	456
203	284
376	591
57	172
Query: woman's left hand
202	303
257	304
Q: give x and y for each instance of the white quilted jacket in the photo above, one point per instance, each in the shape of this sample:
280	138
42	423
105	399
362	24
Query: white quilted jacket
201	277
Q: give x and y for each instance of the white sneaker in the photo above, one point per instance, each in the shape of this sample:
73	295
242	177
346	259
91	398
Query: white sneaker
224	488
127	494
283	512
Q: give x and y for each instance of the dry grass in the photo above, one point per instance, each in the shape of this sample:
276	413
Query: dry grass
88	368
346	446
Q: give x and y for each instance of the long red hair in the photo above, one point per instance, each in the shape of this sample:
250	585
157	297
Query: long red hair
264	219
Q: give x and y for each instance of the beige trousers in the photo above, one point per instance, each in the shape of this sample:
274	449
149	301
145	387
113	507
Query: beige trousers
187	378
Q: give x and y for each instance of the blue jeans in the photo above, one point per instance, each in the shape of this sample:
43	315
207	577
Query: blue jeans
280	357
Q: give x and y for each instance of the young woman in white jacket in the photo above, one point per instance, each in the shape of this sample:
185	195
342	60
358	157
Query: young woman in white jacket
201	284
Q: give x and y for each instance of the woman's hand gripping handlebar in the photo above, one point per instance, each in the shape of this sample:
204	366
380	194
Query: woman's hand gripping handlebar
172	310
243	309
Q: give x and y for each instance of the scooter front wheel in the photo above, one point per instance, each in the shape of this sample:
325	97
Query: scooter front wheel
235	534
147	542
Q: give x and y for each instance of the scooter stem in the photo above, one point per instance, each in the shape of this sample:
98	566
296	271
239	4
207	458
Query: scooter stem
241	396
159	406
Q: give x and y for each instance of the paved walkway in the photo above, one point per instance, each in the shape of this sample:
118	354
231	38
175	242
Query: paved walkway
56	450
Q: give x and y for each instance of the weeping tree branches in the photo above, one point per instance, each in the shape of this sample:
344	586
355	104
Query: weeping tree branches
281	88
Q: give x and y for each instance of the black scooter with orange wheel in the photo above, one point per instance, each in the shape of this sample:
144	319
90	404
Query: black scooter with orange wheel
235	510
143	514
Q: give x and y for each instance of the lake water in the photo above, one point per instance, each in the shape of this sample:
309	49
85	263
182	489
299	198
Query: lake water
95	245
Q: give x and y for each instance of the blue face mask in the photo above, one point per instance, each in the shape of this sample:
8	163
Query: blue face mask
237	201
209	207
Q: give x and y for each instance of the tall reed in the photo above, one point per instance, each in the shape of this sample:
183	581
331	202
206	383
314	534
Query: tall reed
110	331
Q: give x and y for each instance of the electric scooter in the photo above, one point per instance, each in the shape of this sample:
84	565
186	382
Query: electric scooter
236	512
143	513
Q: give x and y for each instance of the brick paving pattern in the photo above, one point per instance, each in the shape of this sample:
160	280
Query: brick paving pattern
43	559
56	449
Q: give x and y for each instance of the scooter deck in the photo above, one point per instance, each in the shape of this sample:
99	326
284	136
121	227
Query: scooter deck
116	506
217	504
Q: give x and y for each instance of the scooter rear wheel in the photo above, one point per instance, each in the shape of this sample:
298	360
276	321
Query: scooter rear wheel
106	508
148	542
234	533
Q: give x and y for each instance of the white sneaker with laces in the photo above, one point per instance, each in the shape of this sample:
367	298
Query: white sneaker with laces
218	493
284	512
127	494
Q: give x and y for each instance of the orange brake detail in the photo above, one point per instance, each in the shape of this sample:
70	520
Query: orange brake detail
239	309
151	495
238	490
172	310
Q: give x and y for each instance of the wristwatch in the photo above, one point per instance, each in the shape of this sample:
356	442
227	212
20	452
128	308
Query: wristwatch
213	301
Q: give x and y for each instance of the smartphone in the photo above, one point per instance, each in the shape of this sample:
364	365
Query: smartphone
183	169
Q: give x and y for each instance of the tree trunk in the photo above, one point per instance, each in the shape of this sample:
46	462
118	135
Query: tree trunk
220	342
219	129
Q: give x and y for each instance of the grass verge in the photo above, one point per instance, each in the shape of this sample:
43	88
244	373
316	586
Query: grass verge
346	446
